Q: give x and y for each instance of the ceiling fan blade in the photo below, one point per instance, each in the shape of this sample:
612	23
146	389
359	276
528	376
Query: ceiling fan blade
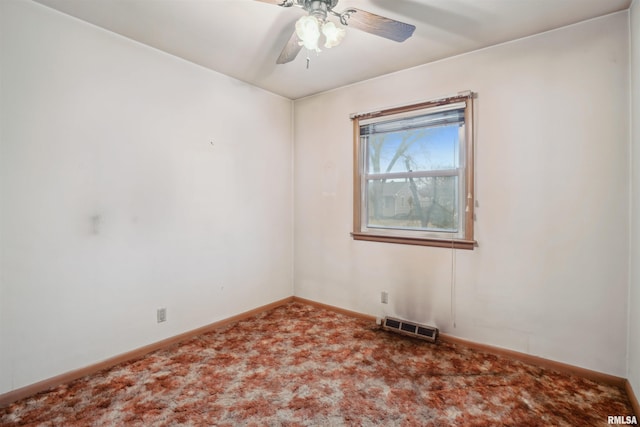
379	25
290	50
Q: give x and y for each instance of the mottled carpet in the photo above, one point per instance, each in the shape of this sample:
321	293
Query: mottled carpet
299	365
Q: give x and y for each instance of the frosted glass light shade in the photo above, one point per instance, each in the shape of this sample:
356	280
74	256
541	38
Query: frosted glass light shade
332	34
308	31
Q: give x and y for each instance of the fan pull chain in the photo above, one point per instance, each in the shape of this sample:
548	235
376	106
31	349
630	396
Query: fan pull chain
308	61
453	284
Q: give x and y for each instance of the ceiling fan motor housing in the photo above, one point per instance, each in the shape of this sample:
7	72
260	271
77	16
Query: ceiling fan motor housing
319	8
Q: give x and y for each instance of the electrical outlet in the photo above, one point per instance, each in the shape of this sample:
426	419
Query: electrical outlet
162	315
384	297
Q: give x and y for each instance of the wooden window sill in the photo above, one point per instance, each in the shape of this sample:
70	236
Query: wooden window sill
455	244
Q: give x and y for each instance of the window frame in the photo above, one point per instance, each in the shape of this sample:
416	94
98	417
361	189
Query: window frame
410	237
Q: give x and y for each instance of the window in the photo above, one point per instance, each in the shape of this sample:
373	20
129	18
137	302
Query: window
413	177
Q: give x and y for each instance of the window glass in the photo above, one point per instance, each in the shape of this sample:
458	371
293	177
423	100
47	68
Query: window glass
427	204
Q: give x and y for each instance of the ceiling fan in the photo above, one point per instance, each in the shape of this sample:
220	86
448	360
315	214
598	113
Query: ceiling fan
311	27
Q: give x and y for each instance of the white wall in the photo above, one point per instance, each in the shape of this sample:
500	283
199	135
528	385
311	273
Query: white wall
634	295
550	275
115	202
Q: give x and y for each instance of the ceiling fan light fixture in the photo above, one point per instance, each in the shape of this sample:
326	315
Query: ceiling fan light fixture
308	31
333	34
311	28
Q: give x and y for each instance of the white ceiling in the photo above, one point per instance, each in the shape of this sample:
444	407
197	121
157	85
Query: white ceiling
243	38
